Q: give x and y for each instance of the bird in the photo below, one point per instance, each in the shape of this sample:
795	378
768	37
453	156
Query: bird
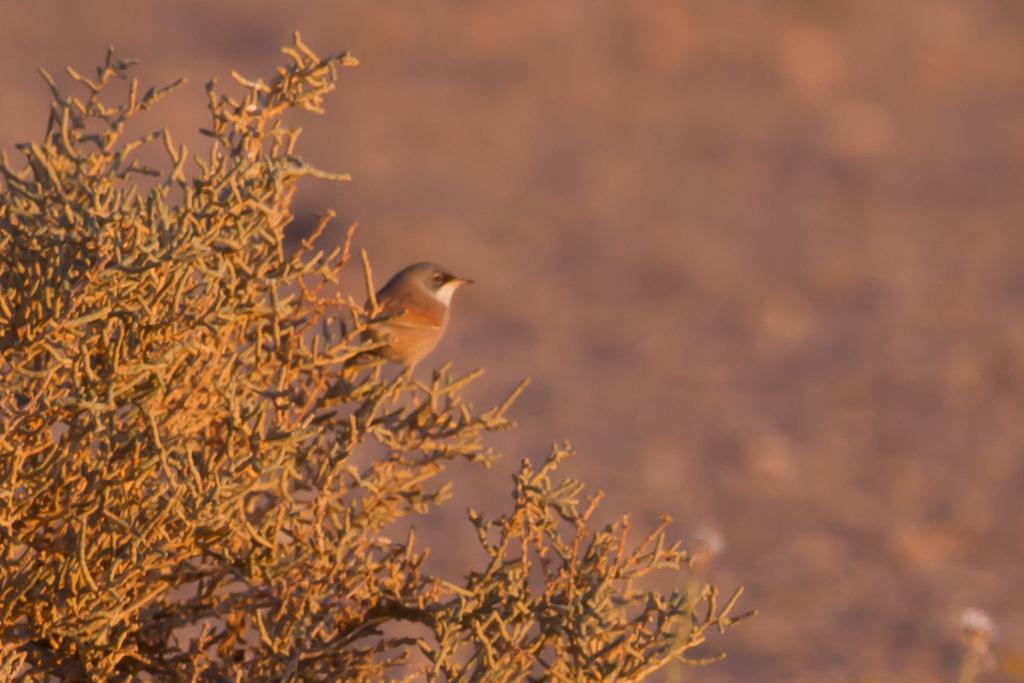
415	305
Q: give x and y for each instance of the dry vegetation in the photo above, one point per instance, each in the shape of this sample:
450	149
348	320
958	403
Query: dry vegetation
178	425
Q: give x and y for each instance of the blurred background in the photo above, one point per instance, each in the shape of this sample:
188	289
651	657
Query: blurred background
762	261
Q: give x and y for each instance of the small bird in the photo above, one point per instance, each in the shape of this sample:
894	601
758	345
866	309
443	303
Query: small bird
415	304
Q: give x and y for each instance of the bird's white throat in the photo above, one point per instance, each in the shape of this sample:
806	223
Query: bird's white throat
444	292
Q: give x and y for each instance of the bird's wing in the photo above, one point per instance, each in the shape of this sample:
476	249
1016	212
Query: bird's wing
402	312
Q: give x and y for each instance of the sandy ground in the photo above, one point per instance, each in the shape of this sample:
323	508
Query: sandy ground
762	260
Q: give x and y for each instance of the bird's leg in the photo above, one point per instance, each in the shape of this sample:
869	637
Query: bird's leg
408	379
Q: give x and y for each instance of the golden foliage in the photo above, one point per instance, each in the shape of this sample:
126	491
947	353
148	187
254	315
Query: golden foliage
179	420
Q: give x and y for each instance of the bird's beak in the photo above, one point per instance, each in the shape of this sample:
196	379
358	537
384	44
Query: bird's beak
462	281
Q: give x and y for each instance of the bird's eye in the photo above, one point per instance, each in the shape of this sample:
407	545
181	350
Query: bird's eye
439	279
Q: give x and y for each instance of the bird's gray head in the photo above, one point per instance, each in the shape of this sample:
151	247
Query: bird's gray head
437	281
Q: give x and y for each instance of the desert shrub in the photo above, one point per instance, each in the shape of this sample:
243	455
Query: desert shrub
180	416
